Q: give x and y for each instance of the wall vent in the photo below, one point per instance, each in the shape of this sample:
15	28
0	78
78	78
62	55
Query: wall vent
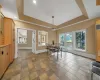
97	27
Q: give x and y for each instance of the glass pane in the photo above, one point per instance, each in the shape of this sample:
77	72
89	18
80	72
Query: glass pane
80	40
22	36
42	38
68	40
62	39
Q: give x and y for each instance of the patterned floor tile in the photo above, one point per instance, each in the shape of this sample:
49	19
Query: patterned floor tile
30	66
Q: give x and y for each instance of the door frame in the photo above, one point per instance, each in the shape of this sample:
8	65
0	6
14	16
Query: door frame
35	41
16	40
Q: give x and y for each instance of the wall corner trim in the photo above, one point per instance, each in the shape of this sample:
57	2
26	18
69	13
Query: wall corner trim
84	54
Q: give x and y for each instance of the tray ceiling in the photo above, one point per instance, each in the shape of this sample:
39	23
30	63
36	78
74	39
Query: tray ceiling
63	10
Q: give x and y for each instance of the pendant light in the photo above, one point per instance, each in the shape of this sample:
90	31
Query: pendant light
53	23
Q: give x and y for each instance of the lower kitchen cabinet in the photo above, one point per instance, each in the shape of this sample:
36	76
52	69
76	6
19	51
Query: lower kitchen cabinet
4	59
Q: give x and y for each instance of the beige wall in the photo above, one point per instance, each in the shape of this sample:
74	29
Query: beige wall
90	35
29	40
51	34
88	25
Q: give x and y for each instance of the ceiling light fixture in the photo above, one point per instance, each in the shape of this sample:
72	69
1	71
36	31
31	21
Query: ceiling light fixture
53	23
34	1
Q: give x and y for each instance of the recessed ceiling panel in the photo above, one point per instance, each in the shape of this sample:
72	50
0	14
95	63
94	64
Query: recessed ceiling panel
91	8
63	10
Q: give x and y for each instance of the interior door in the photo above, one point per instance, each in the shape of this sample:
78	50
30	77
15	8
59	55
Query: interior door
33	41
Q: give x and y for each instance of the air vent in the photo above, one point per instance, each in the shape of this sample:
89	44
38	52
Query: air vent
98	27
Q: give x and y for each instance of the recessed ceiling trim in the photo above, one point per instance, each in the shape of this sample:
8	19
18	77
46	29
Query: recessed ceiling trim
33	23
75	23
82	7
20	8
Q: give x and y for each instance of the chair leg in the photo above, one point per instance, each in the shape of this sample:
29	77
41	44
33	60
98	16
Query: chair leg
91	75
61	53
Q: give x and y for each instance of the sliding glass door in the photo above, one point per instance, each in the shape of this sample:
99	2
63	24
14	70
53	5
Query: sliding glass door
75	40
66	40
69	41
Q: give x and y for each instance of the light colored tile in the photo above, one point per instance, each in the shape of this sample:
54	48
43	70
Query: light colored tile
44	77
54	77
33	75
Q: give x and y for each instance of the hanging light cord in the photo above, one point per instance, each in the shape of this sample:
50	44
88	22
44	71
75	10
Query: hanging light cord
53	20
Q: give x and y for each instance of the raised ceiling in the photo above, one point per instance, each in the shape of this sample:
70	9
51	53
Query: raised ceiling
9	8
63	10
69	11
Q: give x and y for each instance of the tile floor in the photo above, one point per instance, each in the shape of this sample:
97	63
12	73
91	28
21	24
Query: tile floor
30	66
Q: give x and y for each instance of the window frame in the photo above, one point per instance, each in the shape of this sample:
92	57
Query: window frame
46	37
75	48
19	37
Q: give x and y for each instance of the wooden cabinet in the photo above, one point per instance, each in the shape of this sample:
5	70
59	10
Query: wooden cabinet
9	35
4	59
97	30
7	43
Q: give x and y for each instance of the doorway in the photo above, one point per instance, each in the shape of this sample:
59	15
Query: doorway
25	41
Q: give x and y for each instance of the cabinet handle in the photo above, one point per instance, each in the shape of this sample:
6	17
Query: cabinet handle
7	53
2	52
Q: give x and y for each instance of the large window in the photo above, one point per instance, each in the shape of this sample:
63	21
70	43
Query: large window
80	40
42	38
22	36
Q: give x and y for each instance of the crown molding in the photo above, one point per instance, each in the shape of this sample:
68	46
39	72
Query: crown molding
76	23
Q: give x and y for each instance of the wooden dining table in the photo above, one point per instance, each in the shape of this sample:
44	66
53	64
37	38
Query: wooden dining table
53	48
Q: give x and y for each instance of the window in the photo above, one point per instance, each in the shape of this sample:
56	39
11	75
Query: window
42	38
80	40
68	38
62	39
22	36
69	41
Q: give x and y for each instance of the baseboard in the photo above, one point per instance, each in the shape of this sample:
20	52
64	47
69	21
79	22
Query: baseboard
84	54
24	47
41	51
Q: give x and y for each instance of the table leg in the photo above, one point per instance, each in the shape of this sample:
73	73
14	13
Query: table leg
57	55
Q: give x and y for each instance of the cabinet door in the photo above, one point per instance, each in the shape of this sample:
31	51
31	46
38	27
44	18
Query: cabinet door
13	41
6	50
98	45
2	62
